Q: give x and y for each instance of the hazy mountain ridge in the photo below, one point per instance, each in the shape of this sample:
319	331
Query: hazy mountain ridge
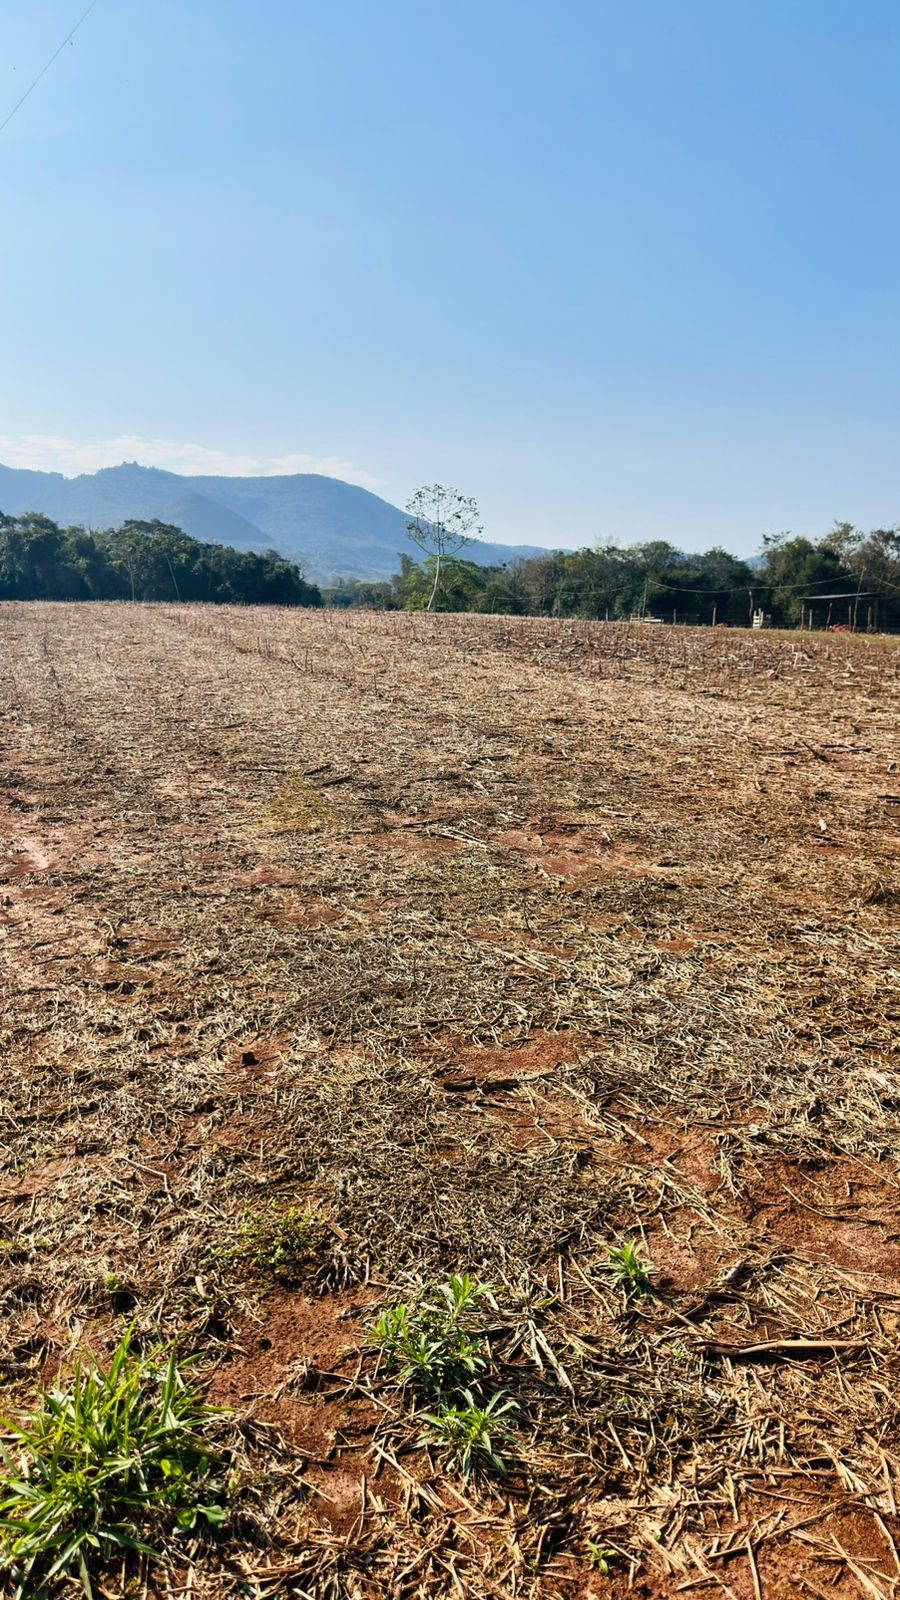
334	529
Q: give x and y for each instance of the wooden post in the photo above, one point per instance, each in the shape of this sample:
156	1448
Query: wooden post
714	614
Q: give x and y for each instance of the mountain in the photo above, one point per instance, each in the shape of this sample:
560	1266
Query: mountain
333	529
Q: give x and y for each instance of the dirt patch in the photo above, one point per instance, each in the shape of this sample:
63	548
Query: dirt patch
268	877
837	1211
534	1059
416	841
257	1055
290	1332
289	1370
574	854
143	944
295	913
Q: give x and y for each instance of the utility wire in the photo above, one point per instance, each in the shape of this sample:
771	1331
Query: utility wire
46	68
757	582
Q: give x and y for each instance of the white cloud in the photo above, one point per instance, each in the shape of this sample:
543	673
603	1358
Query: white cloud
44	452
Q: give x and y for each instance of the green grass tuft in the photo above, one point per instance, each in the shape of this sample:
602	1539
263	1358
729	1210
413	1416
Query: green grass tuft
437	1342
438	1345
630	1271
119	1457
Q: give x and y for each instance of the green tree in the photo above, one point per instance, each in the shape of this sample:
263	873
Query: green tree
139	561
441	522
793	567
874	560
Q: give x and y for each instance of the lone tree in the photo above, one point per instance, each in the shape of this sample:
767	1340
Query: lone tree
441	521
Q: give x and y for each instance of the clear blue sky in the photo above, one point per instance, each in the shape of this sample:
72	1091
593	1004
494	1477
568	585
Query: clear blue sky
618	268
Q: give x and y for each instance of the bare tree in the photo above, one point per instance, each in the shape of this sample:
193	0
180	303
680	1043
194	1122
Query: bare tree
441	521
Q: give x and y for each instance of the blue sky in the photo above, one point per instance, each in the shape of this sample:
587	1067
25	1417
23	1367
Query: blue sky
618	268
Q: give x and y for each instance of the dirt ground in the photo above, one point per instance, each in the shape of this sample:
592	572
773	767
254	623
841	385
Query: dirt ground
498	942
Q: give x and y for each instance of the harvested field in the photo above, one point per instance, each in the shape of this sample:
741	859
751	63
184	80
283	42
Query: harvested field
494	943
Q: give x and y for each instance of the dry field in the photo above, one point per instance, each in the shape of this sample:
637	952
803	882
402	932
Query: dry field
496	944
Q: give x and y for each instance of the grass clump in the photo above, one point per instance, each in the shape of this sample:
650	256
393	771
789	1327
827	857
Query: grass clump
119	1457
629	1269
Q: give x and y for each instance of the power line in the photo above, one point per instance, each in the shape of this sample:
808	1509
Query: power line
46	68
757	582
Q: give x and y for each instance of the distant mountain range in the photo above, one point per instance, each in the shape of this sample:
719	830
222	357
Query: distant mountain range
333	529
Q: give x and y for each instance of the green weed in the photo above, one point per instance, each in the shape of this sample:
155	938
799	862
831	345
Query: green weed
438	1341
438	1344
118	1457
287	1245
473	1434
629	1271
601	1559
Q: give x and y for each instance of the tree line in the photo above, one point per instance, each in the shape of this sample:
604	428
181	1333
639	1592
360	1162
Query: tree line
139	561
155	561
655	579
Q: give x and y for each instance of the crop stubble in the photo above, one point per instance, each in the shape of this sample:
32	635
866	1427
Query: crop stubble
498	941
